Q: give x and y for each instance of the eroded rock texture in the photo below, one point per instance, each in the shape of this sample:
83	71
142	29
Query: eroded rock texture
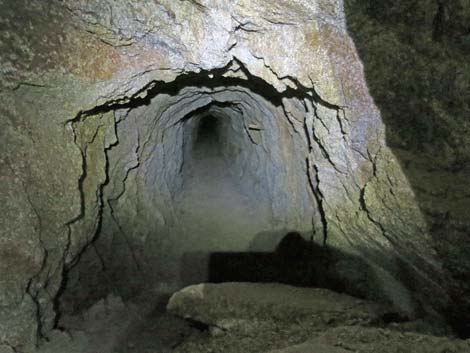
253	317
416	65
102	106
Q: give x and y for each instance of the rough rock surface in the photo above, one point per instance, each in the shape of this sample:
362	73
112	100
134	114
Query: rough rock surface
416	64
222	305
257	317
371	340
84	146
309	348
245	317
109	326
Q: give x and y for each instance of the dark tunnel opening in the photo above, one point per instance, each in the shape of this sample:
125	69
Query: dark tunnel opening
207	133
222	202
213	168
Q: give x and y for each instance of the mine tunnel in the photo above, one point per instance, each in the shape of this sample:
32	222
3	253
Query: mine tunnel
205	161
200	189
238	176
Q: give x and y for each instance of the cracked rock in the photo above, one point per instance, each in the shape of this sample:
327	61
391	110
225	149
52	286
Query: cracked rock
142	141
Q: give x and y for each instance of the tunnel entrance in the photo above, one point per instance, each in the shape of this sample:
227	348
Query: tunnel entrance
202	182
202	171
205	178
219	209
209	163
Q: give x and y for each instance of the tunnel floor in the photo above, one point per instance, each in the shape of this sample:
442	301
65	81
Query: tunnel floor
246	317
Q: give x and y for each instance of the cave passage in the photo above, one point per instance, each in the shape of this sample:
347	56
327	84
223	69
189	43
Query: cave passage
215	211
205	175
208	164
207	136
205	179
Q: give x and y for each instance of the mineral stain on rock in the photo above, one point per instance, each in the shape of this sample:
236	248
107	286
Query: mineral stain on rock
316	149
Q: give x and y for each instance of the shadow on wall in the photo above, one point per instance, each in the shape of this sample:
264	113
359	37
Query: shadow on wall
294	261
415	56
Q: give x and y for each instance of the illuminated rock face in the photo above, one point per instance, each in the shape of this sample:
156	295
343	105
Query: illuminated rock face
102	106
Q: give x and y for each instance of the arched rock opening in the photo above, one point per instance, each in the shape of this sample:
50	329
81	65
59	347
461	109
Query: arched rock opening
204	165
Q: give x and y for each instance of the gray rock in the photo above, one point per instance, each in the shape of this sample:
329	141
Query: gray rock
277	318
310	347
370	340
6	349
231	305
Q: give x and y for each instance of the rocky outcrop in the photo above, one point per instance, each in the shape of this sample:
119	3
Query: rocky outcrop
95	97
227	306
261	317
276	318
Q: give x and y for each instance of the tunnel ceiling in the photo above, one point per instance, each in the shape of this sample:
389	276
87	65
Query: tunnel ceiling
101	105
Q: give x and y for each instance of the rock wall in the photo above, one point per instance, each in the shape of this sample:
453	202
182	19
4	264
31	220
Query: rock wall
416	65
82	145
